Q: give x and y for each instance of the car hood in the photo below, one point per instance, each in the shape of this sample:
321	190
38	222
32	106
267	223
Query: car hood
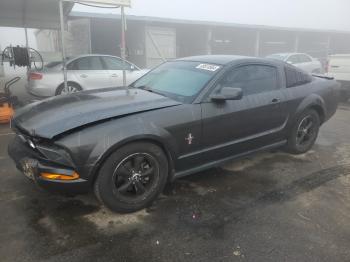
54	116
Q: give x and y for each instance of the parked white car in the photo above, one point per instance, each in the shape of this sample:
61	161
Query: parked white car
83	73
300	60
339	68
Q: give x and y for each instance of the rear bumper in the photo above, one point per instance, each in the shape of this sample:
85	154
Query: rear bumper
344	91
344	85
32	164
40	90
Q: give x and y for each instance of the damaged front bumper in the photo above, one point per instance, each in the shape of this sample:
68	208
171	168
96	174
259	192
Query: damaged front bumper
43	171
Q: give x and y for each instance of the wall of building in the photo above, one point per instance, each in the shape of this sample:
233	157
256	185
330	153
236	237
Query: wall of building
196	39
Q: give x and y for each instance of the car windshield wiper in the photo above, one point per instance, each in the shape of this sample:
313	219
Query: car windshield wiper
149	89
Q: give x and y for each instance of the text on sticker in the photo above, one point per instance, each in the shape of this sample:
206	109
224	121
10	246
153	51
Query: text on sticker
208	67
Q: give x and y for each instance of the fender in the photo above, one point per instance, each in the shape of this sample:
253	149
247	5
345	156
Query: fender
113	136
162	143
314	101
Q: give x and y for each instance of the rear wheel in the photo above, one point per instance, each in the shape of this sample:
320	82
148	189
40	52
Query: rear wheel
132	177
71	88
304	132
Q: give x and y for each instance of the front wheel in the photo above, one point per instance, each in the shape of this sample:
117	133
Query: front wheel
132	177
304	132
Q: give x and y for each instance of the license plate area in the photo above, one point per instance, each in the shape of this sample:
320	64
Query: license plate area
29	167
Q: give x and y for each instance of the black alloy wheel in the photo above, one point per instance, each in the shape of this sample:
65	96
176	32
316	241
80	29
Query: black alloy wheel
304	133
135	176
132	177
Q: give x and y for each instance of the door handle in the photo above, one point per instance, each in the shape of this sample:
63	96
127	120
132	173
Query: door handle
276	101
83	76
114	75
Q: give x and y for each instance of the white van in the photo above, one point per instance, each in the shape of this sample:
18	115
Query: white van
339	68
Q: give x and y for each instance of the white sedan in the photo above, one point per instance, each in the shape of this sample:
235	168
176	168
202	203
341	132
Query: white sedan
300	60
83	73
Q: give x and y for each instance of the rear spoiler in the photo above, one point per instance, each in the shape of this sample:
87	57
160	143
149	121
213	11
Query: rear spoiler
323	76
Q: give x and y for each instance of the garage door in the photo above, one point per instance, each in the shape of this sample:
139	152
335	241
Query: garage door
160	42
78	41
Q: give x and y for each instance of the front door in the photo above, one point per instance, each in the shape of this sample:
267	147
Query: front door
235	126
89	73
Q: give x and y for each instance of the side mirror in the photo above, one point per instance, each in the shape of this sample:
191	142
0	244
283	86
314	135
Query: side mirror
289	62
132	67
228	93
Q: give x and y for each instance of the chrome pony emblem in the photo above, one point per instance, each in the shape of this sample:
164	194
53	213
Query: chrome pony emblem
189	139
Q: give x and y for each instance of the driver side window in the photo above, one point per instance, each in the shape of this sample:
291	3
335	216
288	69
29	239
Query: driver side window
113	63
252	79
294	59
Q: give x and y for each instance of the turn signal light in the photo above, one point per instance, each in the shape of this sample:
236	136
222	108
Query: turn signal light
60	176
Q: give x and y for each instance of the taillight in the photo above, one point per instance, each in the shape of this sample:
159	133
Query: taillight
35	76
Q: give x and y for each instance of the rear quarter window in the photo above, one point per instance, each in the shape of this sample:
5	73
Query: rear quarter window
296	77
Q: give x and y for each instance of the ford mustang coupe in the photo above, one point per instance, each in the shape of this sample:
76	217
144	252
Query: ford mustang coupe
182	117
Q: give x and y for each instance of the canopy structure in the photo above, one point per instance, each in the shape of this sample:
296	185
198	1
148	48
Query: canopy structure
50	14
42	14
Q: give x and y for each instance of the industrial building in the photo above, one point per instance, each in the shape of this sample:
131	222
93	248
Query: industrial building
149	39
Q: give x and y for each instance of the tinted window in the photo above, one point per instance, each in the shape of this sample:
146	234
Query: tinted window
86	63
115	63
294	59
304	59
295	77
252	79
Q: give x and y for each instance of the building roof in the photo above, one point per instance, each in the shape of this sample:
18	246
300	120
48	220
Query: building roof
32	13
194	22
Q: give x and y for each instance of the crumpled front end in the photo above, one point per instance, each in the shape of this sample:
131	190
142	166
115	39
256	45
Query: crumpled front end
48	166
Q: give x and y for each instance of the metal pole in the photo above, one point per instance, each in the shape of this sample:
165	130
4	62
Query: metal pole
27	46
63	44
296	43
257	44
209	41
26	35
123	46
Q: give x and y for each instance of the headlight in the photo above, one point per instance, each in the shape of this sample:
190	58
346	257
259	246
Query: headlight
55	154
27	140
31	144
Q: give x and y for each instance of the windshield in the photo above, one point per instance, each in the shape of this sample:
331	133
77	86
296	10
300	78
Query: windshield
56	63
278	56
180	80
53	64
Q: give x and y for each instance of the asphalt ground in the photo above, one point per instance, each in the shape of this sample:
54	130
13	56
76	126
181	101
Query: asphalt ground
269	207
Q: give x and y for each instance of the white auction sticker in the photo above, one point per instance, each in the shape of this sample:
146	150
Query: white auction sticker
208	67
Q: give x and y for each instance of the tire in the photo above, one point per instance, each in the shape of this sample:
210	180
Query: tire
73	87
301	139
117	185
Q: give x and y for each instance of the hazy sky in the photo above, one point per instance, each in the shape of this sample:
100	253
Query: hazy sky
318	14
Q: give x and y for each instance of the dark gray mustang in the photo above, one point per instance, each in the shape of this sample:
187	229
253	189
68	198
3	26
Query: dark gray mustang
183	117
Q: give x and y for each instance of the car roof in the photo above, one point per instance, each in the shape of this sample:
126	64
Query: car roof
226	59
214	59
288	54
89	55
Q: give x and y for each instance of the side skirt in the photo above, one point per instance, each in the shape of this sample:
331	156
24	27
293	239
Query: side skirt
224	160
